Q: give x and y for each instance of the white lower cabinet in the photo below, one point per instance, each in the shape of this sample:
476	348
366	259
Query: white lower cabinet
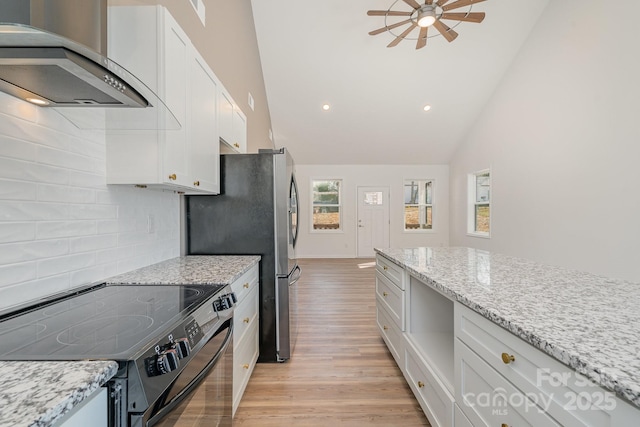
245	332
467	371
91	412
390	307
432	394
503	379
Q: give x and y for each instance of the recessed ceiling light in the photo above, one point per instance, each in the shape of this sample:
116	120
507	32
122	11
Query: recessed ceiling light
427	107
326	107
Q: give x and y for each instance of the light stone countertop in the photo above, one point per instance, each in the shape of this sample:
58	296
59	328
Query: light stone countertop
588	322
36	393
193	270
40	393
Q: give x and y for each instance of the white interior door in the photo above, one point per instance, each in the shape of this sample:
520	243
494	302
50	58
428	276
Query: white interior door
373	220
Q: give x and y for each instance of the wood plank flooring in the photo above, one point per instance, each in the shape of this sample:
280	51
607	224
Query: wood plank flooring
341	373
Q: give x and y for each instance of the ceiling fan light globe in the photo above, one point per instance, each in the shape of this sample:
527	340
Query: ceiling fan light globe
426	21
426	16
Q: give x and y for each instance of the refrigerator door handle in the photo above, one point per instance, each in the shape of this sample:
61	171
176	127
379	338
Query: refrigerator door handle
293	282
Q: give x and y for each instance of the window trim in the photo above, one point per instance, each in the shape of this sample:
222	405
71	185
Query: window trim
340	206
432	205
472	204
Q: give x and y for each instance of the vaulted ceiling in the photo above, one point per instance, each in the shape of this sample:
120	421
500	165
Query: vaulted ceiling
320	52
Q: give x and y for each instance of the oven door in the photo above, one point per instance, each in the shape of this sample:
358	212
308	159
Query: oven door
202	394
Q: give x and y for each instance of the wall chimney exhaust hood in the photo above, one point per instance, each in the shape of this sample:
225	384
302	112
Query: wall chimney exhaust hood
53	54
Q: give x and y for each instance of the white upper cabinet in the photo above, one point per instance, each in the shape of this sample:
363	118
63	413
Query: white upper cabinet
149	43
232	123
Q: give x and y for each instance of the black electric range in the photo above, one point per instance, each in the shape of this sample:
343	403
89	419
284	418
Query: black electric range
152	331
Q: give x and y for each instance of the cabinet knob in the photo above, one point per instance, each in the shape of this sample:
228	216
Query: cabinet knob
384	294
504	425
173	177
508	358
235	144
385	327
196	183
384	267
246	285
245	320
420	384
245	366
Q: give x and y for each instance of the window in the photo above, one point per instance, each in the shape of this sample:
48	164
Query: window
418	204
479	222
326	204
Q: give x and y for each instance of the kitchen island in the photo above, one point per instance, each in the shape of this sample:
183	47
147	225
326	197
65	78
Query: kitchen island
585	326
43	393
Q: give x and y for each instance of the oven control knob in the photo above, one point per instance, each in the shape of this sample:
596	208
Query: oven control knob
182	347
168	361
224	302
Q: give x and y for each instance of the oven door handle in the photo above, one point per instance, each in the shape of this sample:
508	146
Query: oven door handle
178	398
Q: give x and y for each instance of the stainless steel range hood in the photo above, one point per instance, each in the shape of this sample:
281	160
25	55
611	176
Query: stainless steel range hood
53	54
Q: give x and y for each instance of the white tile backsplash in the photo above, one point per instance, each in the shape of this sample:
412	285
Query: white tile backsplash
61	226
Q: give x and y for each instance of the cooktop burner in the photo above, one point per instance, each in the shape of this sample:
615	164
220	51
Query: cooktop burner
107	322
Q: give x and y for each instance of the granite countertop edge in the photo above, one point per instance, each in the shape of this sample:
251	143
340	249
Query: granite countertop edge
48	391
629	392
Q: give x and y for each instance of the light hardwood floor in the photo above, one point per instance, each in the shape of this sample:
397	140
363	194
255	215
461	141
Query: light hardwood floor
341	373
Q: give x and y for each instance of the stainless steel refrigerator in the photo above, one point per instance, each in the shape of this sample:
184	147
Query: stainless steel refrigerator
256	213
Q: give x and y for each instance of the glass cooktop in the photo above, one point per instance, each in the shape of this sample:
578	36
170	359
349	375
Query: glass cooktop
108	322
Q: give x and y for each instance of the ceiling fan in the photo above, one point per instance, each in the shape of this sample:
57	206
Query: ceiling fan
431	13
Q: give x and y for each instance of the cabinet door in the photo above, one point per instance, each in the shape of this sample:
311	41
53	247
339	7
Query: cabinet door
174	59
239	131
202	134
225	115
91	412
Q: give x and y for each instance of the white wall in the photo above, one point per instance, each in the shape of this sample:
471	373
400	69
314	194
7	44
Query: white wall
344	244
60	225
562	138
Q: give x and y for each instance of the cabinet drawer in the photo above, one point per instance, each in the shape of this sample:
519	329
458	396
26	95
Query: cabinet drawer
391	271
391	298
392	336
245	283
245	355
435	400
245	315
459	418
567	396
488	399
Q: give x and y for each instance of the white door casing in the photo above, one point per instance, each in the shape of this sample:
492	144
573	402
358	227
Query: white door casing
373	220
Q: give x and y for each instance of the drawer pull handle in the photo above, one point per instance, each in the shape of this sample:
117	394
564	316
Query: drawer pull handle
504	425
385	268
246	285
384	294
173	177
508	358
245	320
196	183
420	384
245	366
385	327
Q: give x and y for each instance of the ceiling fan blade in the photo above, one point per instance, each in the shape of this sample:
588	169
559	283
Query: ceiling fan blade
402	36
442	2
413	3
460	3
388	27
422	38
446	32
468	17
388	13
